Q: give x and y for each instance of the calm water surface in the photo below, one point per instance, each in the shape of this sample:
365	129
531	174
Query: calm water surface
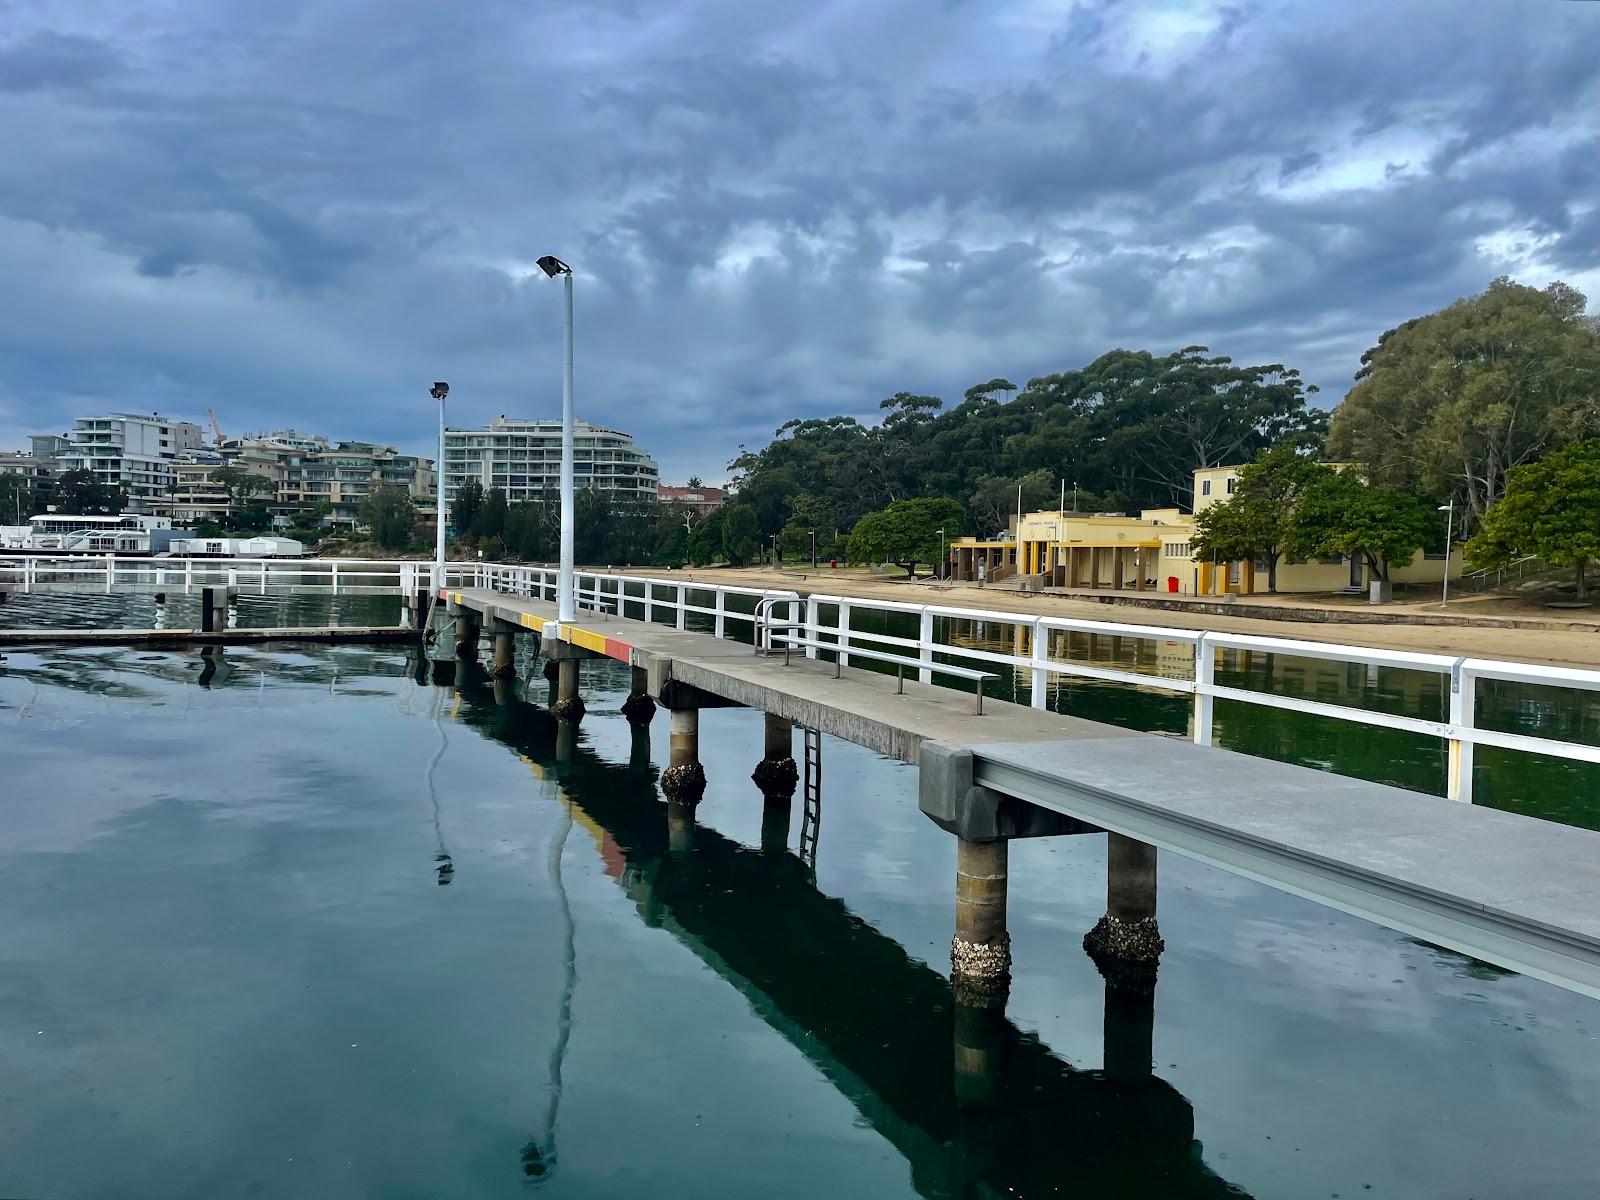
312	928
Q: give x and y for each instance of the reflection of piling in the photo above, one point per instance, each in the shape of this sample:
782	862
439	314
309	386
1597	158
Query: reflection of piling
980	954
1127	941
639	747
979	1060
776	812
1130	1017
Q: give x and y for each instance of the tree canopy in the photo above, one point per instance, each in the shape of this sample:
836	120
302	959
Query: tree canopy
80	493
1128	429
390	516
1551	509
1341	514
1447	404
906	532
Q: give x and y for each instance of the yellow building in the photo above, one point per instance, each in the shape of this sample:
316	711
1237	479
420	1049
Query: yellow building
1154	552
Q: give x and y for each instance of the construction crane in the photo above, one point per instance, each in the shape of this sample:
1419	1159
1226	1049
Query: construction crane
216	429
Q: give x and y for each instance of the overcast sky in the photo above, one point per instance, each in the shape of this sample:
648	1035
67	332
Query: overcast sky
302	213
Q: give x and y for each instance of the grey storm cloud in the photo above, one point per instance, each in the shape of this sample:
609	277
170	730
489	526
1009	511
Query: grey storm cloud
304	213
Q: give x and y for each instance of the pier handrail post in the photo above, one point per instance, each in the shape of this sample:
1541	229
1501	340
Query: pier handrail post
925	643
335	566
842	636
1205	677
111	572
1463	715
188	576
1039	652
811	630
681	599
721	617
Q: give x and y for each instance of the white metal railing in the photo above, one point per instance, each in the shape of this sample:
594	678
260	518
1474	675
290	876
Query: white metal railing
775	618
770	610
109	573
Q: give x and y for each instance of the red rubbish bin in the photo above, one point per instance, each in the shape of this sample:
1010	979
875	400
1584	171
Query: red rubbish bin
1172	583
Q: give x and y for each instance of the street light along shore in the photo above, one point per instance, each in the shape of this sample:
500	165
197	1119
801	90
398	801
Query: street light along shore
566	610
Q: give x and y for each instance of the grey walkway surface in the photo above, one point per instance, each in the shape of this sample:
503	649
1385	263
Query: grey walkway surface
1508	889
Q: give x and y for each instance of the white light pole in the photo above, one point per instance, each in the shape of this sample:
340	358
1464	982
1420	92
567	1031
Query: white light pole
1449	536
566	611
944	557
439	391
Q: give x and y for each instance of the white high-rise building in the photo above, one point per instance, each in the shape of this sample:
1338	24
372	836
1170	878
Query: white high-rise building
131	451
523	459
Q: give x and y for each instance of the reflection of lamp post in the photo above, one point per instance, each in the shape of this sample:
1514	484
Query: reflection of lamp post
943	557
813	549
1449	536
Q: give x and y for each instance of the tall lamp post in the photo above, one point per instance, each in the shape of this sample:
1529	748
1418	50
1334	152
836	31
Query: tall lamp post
566	611
1449	537
944	558
439	391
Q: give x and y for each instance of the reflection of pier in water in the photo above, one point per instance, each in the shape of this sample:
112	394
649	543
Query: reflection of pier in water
976	1106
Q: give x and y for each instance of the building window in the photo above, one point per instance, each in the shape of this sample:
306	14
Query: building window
1231	482
1205	487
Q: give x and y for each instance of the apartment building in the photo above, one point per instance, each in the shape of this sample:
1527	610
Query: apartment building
131	451
523	458
344	475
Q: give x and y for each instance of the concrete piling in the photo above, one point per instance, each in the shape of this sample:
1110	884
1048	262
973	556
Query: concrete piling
1127	941
467	628
776	774
639	708
505	653
980	953
569	705
684	780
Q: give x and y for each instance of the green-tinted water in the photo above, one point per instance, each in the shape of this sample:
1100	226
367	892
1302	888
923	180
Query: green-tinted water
314	929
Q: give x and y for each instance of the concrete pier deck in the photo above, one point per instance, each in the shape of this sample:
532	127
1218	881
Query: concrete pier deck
1511	890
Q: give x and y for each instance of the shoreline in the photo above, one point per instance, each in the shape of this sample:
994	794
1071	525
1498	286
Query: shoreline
1573	645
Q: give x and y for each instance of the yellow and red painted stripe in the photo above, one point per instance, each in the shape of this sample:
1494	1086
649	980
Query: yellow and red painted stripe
599	643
